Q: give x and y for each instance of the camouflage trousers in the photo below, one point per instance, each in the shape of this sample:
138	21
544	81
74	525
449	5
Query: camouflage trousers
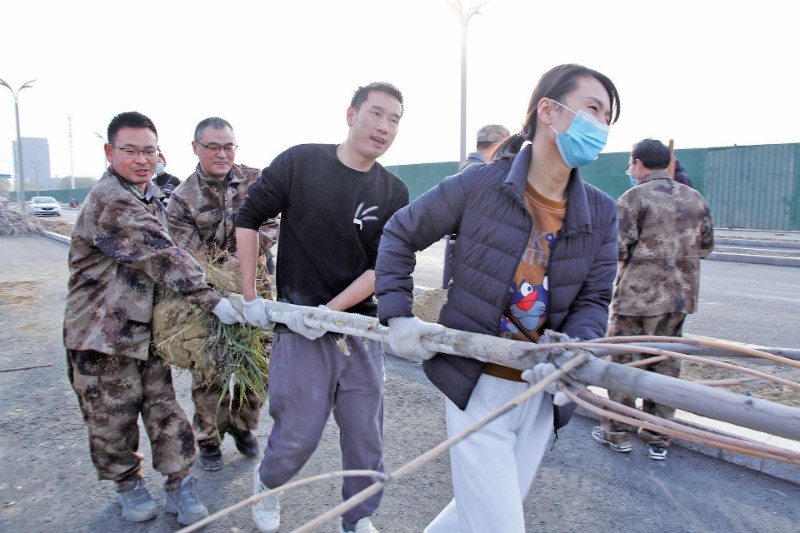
670	325
215	415
113	391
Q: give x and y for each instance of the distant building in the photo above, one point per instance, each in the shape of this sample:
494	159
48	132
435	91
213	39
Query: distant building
35	163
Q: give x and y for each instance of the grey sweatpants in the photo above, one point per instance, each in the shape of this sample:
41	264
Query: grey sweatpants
308	380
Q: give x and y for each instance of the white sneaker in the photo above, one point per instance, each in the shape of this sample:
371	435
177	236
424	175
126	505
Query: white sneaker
266	511
364	525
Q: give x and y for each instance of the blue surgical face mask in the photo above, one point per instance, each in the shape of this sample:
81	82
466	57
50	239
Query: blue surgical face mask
634	181
584	139
159	168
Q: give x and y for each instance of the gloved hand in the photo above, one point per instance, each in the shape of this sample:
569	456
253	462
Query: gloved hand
226	313
405	336
538	373
255	312
549	336
297	324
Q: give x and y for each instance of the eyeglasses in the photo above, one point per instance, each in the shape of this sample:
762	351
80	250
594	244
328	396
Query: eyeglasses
131	153
228	148
628	168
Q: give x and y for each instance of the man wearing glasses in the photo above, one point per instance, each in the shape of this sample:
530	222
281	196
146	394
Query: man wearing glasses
119	250
201	212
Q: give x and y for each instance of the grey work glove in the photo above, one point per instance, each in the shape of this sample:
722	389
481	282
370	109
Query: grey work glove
538	373
297	323
226	313
255	312
405	336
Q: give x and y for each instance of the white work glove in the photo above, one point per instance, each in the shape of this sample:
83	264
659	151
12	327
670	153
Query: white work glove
255	312
538	373
298	324
226	313
405	336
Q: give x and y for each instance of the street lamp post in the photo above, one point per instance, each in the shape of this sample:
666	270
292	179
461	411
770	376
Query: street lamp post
36	174
21	176
464	19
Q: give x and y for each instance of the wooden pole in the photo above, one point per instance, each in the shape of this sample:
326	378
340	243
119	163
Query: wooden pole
671	166
753	413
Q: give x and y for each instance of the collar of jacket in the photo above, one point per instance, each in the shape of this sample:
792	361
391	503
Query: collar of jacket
659	174
577	218
146	196
235	175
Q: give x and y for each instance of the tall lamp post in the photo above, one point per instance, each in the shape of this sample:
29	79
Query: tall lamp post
105	161
464	19
36	174
20	177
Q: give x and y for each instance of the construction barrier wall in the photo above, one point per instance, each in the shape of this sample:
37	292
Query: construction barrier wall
753	187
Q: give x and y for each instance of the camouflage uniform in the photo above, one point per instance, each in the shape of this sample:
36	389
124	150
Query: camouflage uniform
119	247
201	212
664	230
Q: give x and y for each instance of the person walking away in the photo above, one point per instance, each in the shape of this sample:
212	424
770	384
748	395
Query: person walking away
665	229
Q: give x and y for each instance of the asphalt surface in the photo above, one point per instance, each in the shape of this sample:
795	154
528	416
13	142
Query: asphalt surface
47	482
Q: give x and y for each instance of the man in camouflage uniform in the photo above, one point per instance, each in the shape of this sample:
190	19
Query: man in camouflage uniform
664	230
201	212
120	249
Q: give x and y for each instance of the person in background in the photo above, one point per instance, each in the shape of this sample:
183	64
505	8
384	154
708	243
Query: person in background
680	174
664	231
489	138
537	250
119	251
201	213
165	181
333	201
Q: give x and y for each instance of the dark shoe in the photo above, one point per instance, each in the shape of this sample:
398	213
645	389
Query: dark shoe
137	505
210	457
246	442
185	503
657	452
621	447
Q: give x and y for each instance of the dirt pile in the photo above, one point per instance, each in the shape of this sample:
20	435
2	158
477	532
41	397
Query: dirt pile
12	223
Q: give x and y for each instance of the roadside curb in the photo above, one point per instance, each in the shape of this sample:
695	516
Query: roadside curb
57	237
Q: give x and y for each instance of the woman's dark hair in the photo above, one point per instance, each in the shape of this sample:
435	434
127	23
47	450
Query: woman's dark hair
554	84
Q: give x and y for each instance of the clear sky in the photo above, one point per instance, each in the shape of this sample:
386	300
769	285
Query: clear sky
705	73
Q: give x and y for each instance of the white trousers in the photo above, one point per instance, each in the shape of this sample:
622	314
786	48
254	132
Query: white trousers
493	468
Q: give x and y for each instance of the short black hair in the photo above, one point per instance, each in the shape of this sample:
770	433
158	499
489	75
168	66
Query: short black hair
362	93
128	119
652	153
211	122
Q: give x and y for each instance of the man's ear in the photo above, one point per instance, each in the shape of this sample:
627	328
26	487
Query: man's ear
351	115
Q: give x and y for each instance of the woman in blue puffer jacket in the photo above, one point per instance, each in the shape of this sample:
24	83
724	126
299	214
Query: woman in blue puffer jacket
537	250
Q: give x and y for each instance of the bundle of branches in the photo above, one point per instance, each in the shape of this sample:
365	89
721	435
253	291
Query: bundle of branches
189	337
12	223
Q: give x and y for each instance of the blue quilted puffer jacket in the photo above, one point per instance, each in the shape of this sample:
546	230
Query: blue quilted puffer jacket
485	207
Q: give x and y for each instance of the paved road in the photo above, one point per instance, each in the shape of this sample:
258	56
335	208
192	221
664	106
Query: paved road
47	482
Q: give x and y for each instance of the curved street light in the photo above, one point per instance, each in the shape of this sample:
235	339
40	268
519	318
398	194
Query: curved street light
464	19
21	176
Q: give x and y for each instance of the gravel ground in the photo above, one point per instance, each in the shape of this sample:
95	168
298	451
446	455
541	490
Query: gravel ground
48	482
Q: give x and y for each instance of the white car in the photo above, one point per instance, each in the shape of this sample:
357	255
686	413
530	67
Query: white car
45	205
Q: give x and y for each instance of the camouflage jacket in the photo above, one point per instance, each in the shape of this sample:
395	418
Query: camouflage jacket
664	230
120	249
201	212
